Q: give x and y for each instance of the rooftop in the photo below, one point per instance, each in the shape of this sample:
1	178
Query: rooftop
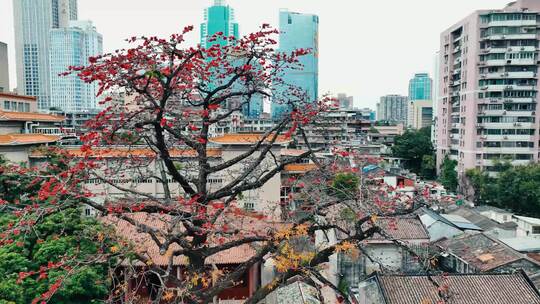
28	116
523	244
247	139
144	244
480	251
402	228
26	139
530	220
299	168
17	96
429	217
480	220
129	152
515	288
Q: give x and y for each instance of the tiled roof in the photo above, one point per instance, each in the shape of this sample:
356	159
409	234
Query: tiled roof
17	96
463	289
28	116
145	245
480	251
401	228
292	152
26	139
132	152
300	167
247	139
484	222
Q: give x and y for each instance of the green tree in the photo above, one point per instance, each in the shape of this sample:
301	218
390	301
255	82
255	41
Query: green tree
35	257
413	146
515	188
448	175
428	166
345	185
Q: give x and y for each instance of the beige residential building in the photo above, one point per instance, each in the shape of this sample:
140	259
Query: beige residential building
420	114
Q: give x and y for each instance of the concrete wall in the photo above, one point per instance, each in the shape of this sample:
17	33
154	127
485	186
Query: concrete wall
15	154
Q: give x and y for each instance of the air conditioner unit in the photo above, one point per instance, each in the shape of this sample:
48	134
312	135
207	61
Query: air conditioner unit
504	113
505	137
509	49
533	113
522	48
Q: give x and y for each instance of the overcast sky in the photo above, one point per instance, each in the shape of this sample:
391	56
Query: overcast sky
367	48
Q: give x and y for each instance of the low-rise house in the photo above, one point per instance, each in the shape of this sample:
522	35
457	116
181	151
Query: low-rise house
382	253
515	288
527	226
144	285
497	214
17	148
445	226
488	226
473	253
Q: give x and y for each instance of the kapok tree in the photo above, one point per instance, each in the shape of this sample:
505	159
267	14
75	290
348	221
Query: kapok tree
163	102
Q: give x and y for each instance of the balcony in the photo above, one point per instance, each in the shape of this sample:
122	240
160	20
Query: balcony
520	100
511	23
509	75
507	137
509	36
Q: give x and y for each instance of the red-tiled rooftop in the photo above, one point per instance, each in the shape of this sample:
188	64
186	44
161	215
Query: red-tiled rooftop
17	96
144	244
292	152
26	139
463	289
29	116
300	168
247	139
131	152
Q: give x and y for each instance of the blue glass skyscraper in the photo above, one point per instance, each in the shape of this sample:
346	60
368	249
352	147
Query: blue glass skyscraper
220	18
71	46
299	30
420	87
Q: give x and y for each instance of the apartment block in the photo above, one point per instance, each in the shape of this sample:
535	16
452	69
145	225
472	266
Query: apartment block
488	88
393	108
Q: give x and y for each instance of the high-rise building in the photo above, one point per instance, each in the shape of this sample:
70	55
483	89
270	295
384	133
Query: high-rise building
4	68
489	88
218	18
33	21
297	31
345	102
436	96
392	108
71	46
420	87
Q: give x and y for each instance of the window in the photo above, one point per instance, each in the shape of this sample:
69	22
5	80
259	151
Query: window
535	229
